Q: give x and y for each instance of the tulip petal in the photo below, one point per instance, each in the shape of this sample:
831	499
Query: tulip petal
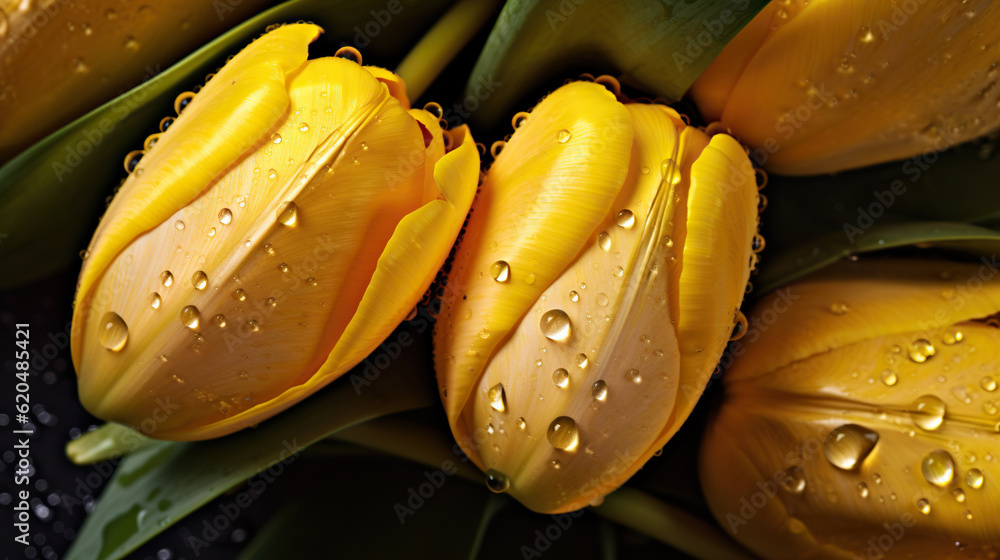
299	282
395	84
539	205
919	386
882	296
242	101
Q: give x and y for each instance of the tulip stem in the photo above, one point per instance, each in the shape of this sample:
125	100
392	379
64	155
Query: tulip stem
440	45
108	441
669	524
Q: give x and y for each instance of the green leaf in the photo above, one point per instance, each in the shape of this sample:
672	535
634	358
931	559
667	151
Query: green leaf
830	248
655	46
161	483
946	200
52	194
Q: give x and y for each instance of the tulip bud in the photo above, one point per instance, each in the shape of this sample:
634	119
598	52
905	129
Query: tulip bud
818	87
592	293
273	236
862	420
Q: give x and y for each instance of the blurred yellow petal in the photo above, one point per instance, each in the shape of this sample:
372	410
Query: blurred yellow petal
62	59
835	85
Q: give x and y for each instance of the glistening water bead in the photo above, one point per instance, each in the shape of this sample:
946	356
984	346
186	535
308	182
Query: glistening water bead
496	481
497	397
563	434
114	332
847	446
555	325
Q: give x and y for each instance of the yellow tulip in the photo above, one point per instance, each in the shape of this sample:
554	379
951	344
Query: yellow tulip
60	59
592	293
817	87
273	236
861	419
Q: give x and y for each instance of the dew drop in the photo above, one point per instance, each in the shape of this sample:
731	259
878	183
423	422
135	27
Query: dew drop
626	219
303	127
574	296
938	467
862	490
219	320
253	325
276	138
839	308
555	325
604	241
924	506
603	299
974	479
561	378
190	316
847	446
269	250
634	376
582	360
154	300
496	481
179	225
199	280
225	216
272	174
500	271
599	390
928	412
958	494
619	271
563	434
794	480
988	383
563	136
114	332
498	398
288	213
166	278
890	378
521	424
920	350
952	336
240	294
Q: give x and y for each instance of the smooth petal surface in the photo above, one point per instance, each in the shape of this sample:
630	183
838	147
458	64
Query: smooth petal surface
838	85
587	383
884	349
264	283
567	189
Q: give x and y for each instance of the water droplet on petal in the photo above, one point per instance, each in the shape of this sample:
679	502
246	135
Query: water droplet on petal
921	350
288	213
988	383
574	296
114	333
219	320
581	360
563	136
199	280
190	316
847	446
225	216
634	376
599	390
839	308
496	481
938	467
604	241
154	300
179	225
240	294
928	412
272	174
276	138
862	490
555	325
958	494
498	398
794	480
561	378
500	271
563	434
974	478
626	219
521	424
923	506
952	336
166	278
889	377
303	127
